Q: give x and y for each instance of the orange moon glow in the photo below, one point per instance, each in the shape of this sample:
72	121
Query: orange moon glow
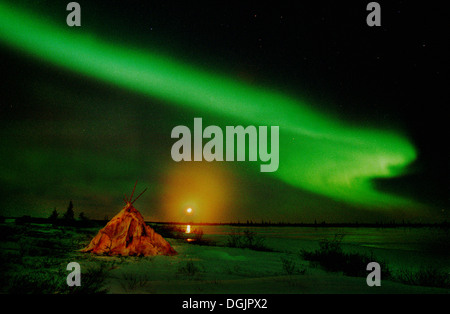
207	188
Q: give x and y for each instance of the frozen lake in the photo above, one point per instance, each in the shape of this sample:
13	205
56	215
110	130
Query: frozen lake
400	246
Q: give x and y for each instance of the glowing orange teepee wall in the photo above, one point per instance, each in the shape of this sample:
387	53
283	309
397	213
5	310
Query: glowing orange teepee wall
128	234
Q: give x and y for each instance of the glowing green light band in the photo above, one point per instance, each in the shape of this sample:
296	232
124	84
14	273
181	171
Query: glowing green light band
317	153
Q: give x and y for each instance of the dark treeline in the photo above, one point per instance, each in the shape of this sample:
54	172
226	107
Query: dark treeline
392	224
67	219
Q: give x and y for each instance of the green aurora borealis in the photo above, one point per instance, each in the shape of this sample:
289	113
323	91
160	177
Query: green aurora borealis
319	153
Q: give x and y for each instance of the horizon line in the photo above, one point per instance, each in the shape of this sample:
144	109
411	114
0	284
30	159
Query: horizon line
267	223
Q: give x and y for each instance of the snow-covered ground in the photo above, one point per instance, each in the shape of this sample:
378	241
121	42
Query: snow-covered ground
226	270
234	271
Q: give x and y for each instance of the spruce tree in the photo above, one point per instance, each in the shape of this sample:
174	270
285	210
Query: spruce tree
69	215
54	215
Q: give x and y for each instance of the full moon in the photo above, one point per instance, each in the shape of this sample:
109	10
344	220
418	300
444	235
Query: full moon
189	210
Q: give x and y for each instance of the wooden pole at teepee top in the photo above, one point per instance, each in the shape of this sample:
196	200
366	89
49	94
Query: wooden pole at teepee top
131	197
139	196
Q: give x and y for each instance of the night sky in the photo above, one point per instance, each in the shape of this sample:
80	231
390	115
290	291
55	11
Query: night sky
86	111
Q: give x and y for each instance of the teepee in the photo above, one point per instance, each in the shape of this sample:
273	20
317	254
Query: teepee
128	234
